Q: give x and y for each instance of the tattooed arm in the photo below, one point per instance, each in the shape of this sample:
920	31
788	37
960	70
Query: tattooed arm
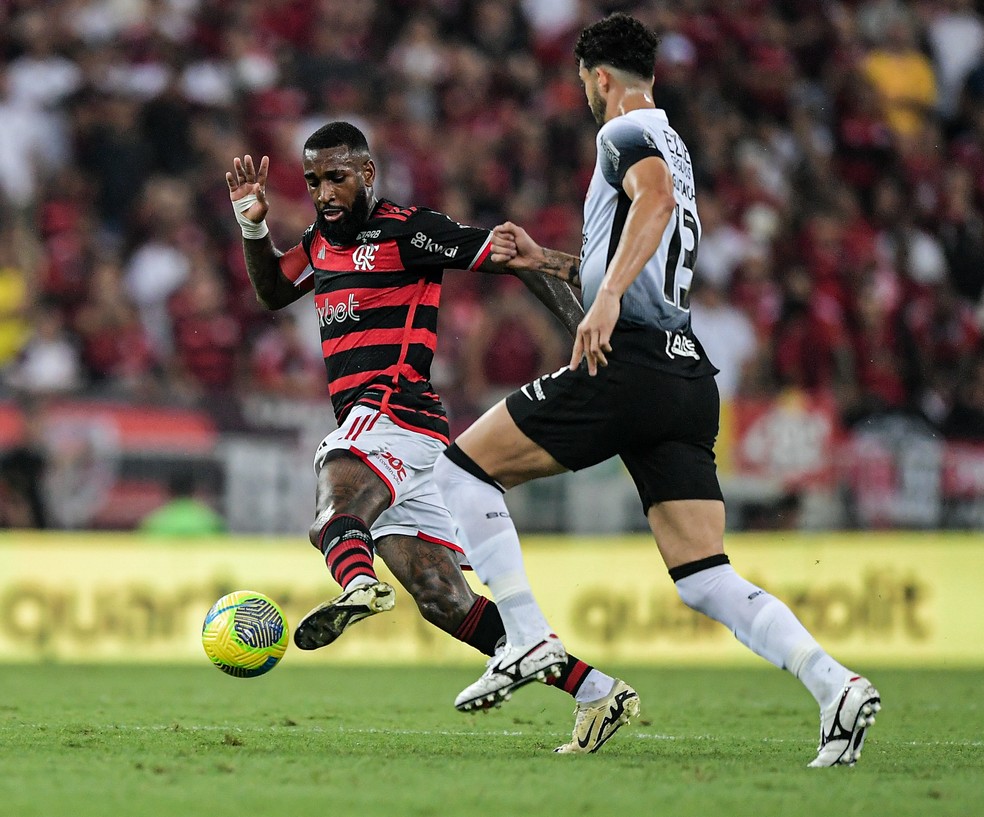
548	274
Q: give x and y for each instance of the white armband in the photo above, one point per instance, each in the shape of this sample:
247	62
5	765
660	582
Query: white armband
250	228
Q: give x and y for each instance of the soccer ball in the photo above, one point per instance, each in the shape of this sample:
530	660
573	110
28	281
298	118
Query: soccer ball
245	634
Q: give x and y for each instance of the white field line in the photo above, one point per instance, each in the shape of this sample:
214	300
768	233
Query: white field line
455	733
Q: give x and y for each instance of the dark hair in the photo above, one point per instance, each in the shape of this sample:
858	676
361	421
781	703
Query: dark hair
335	134
620	41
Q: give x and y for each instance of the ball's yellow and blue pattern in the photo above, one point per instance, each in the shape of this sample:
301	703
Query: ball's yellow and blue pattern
245	634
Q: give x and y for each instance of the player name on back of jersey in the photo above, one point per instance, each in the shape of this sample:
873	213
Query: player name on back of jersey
679	160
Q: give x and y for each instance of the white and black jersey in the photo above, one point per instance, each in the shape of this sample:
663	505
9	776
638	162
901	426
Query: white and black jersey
655	404
654	325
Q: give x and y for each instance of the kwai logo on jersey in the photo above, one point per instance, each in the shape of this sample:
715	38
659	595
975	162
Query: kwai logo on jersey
364	257
329	313
426	243
678	345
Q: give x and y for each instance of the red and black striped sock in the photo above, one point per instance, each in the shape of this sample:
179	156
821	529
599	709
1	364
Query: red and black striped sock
572	675
347	546
482	629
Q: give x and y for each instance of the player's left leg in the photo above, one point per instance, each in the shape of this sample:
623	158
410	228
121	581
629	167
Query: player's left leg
690	537
430	573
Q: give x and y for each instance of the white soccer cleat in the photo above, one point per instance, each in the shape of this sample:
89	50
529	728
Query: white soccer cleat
844	724
510	669
597	721
328	621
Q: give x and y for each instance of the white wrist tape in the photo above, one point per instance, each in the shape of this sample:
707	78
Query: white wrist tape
250	228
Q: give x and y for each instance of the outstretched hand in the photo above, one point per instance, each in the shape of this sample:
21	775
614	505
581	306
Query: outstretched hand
247	181
594	333
513	248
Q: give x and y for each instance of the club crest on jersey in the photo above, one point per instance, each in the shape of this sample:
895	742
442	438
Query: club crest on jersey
329	313
364	257
678	345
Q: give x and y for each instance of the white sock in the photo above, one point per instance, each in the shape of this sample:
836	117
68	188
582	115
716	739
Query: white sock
521	615
821	674
594	686
765	625
362	578
492	547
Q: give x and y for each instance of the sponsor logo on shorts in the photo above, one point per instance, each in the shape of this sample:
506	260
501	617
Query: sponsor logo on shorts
534	390
678	345
396	466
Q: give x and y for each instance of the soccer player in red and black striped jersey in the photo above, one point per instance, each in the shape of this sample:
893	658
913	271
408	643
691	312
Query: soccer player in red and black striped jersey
375	269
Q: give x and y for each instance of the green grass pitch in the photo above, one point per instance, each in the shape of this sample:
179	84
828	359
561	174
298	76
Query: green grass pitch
123	740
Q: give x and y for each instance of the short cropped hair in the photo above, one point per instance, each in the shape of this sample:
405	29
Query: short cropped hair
620	41
336	134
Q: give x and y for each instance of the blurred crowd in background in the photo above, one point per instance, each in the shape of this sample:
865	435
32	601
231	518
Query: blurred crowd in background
838	149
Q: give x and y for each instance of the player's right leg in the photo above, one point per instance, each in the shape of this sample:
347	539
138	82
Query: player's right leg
350	497
357	481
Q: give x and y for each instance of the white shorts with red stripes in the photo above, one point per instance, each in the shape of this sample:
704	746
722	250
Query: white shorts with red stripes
404	460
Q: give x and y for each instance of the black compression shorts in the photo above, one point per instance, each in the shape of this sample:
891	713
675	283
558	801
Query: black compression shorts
663	426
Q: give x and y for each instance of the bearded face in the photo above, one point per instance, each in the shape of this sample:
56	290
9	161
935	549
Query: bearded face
340	224
339	183
596	103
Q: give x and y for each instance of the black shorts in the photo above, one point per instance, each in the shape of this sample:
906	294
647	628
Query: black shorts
663	426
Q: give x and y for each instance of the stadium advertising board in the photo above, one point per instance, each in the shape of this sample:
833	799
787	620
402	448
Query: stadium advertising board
870	598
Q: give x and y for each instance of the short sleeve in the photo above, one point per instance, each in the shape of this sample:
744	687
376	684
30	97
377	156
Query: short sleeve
433	239
622	143
295	264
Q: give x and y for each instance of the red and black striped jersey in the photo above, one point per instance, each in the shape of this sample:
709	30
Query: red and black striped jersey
377	302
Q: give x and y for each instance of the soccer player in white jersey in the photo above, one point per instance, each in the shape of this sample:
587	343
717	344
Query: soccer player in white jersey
639	386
